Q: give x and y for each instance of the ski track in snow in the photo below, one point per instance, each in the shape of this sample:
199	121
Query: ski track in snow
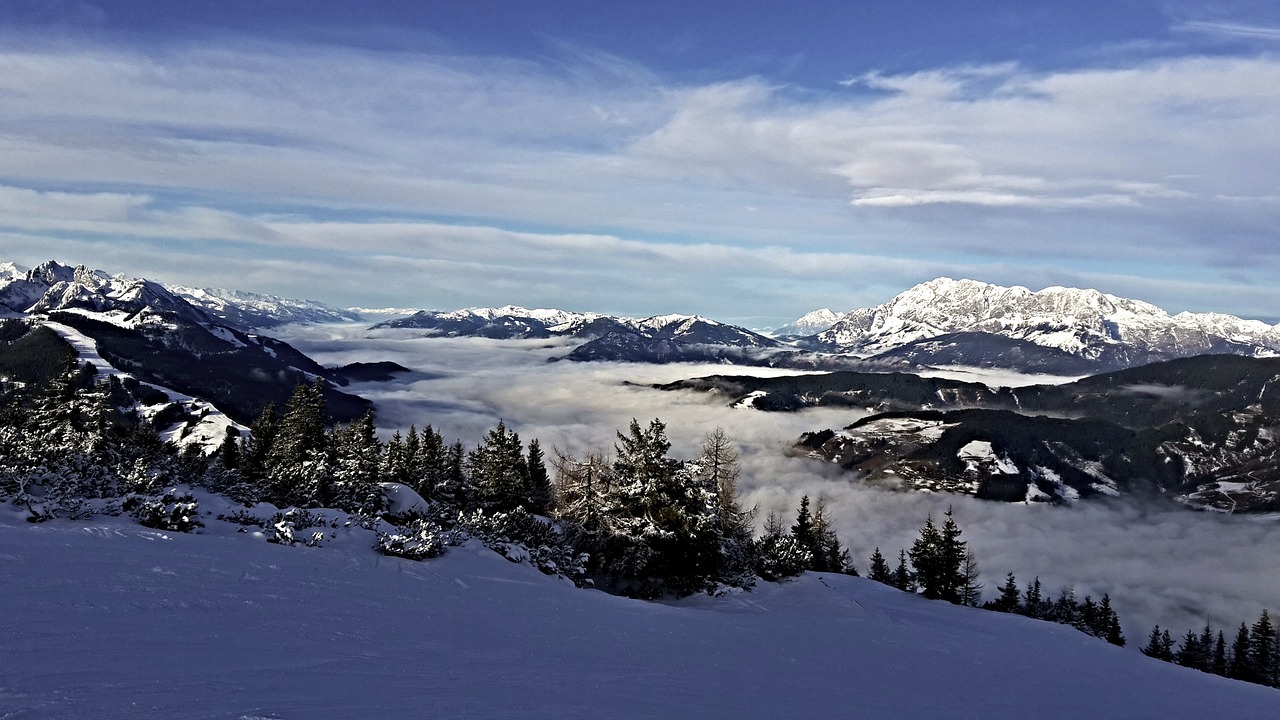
100	619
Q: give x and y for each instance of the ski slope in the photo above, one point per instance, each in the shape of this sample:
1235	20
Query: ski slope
108	619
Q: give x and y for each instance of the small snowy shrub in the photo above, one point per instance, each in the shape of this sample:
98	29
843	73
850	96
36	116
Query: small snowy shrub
521	536
418	540
243	517
170	511
281	527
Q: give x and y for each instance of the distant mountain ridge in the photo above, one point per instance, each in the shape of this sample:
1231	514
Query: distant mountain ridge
255	310
1100	331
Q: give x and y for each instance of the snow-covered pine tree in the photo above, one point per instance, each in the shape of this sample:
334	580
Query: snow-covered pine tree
778	554
356	467
658	526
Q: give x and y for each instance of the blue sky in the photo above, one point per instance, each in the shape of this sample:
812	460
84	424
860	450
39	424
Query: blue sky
737	160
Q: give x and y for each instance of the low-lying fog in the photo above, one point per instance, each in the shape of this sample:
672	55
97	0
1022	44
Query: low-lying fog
1167	565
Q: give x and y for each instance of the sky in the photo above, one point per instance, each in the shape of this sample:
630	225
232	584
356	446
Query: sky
736	160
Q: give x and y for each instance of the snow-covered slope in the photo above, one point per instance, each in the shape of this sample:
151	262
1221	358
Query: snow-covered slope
107	619
248	310
1108	330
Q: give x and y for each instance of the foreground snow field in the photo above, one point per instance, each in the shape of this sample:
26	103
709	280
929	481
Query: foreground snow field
108	619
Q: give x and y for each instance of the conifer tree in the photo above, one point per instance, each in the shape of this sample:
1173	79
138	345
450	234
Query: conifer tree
802	531
356	467
1190	653
951	558
879	570
1033	604
719	467
829	555
1239	666
1159	645
718	470
1110	622
582	489
970	591
538	493
1218	665
778	554
1262	652
395	461
664	524
903	578
1008	599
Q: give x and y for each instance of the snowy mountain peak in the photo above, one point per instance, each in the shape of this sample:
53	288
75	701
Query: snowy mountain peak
1111	330
811	323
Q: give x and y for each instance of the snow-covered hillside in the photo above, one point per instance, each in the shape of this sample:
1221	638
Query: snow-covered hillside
1113	331
107	619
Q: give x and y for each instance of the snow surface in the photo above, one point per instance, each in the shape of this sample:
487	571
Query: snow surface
107	619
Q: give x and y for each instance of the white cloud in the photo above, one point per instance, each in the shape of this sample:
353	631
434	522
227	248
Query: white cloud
1231	30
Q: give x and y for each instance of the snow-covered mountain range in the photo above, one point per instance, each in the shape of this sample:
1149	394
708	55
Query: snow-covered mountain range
511	322
254	310
140	329
976	323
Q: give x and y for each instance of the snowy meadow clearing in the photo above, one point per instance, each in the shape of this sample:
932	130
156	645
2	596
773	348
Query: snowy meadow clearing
1160	564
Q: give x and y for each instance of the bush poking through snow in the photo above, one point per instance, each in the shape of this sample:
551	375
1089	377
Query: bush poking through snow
520	536
171	511
281	527
418	540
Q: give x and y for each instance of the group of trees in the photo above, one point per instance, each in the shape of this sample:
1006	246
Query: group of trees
810	544
940	566
1096	618
1254	655
65	443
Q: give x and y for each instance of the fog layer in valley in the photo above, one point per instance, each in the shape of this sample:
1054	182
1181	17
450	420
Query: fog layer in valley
1160	564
